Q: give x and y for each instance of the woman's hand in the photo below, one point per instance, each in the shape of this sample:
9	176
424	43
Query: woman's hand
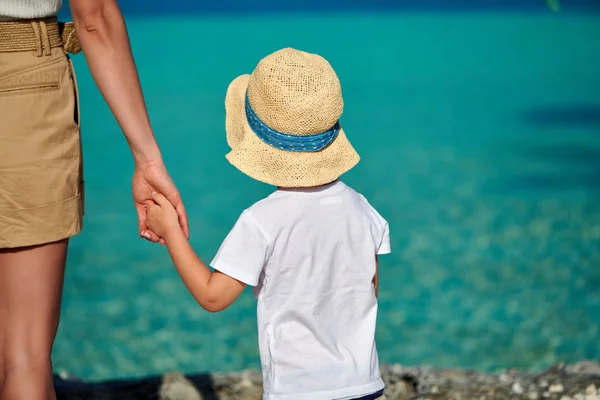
147	179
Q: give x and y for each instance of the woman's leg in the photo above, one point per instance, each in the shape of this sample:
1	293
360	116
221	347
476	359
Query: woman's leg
31	282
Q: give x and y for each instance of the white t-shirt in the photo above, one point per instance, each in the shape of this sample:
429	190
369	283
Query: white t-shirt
310	256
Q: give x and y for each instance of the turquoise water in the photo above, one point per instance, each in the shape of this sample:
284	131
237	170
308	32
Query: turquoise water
480	143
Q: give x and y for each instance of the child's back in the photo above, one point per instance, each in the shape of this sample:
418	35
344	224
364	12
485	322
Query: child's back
310	255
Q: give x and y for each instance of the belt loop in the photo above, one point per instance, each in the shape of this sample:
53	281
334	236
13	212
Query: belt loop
45	38
38	38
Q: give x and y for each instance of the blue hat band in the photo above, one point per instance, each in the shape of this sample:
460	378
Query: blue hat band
287	142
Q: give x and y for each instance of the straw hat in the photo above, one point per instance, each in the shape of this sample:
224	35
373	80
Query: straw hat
282	122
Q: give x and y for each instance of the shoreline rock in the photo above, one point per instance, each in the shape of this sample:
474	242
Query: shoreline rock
579	381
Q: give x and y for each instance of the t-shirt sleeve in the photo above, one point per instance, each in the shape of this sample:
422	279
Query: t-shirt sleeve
243	253
380	230
384	246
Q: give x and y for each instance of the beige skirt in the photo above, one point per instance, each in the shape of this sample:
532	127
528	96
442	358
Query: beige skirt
41	176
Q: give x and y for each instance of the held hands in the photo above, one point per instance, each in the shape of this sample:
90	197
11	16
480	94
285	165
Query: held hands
152	177
162	217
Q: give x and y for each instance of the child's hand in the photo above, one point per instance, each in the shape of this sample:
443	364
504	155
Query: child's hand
162	217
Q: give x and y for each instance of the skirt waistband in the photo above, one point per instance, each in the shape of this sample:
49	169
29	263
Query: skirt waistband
39	35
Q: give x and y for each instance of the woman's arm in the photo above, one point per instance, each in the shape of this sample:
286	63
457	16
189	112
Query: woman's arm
103	36
105	43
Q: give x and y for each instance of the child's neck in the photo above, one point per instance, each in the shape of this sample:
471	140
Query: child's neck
306	188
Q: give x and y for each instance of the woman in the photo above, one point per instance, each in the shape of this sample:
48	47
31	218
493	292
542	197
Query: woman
41	191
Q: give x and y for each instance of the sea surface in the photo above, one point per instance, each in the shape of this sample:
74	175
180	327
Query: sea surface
479	134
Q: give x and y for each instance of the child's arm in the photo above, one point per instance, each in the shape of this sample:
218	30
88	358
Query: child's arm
214	291
376	277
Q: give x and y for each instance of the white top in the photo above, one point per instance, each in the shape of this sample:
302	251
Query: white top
28	9
310	255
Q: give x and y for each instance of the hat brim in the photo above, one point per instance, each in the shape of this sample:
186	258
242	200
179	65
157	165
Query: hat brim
278	167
